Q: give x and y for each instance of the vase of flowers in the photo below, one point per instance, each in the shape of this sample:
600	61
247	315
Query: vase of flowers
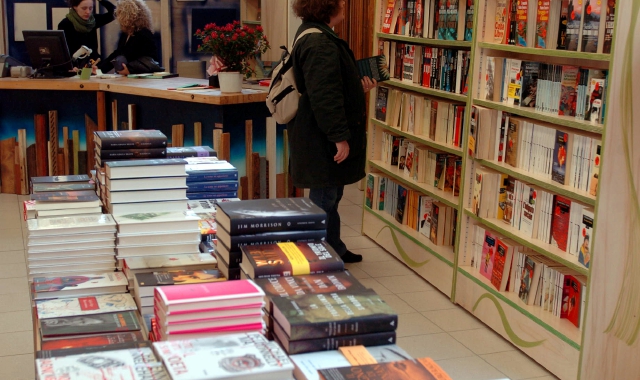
233	47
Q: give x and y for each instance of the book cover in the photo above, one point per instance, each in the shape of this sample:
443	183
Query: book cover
92	341
586	234
212	186
418	369
177	277
591	26
512	22
451	25
542	23
563	40
560	222
503	184
522	13
265	215
571	299
370	191
321	315
561	158
596	99
511	148
89	325
527	222
527	278
401	205
568	84
529	84
234	242
574	22
130	139
62	187
69	307
502	264
489	247
477	193
190	151
609	24
290	259
381	103
500	25
225	293
65	196
389	16
594	170
71	224
60	285
44	354
374	67
132	364
513	76
441	20
468	20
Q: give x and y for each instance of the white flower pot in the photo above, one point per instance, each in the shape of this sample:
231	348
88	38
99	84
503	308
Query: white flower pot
230	81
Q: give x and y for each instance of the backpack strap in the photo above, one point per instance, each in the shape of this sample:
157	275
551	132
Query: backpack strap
307	31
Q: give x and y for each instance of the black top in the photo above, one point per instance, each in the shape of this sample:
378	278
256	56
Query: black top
139	44
76	39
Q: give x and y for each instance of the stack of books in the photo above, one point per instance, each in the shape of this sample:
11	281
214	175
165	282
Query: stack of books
70	245
136	186
203	310
210	178
206	210
216	358
157	233
63	203
263	221
60	183
128	144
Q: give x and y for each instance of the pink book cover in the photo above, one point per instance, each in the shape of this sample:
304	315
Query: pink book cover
197	320
157	301
236	328
488	251
213	291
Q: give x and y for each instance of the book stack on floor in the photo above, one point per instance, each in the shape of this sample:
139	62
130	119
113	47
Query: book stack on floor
313	304
209	309
139	186
64	203
216	357
210	178
264	221
71	244
129	144
61	183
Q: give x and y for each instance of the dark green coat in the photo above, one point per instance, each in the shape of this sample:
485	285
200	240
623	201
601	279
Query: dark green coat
331	109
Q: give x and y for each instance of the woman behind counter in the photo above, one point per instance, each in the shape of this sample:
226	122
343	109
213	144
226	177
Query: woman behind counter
81	25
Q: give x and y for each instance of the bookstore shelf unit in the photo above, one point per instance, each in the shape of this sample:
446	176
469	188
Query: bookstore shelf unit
553	342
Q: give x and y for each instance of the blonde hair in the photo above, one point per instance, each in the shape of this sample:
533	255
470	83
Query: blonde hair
133	15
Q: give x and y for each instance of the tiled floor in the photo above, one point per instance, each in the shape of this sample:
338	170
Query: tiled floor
430	325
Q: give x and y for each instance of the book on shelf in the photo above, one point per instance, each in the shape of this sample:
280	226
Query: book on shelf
77	286
608	28
234	242
575	19
201	297
560	222
81	306
502	259
152	222
585	237
130	139
529	279
161	167
371	191
382	99
487	259
91	326
134	364
92	341
265	215
44	354
419	369
319	315
290	258
572	299
375	68
145	283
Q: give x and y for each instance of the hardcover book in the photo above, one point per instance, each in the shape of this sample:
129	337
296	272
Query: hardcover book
151	222
208	296
234	242
132	364
320	315
90	325
265	215
129	153
374	67
190	151
160	167
61	187
44	354
560	222
146	282
418	369
65	196
69	307
142	263
290	259
130	139
61	179
218	171
71	225
92	341
74	286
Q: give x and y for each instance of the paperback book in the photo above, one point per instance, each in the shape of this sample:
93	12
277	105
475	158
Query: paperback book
375	68
418	369
75	286
91	341
69	307
130	139
107	323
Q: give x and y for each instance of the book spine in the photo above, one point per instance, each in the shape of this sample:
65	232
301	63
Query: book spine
134	153
258	239
356	325
212	195
333	343
277	223
212	176
215	186
123	142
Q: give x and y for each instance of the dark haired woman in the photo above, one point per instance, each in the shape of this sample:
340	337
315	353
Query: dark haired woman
328	135
81	24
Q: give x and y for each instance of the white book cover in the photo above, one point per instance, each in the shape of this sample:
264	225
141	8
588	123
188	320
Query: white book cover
131	364
205	165
68	307
169	261
78	283
186	361
83	223
586	164
156	217
409	159
586	236
424	221
528	211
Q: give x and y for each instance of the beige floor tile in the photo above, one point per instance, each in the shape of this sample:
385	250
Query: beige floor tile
372	283
405	282
373	254
427	301
482	341
358	242
357	227
13	270
12	257
16	343
354	199
350	214
11	239
352	191
453	319
515	365
345	202
15	302
470	368
8	198
16	321
17	367
379	269
436	346
10	220
9	207
356	271
346	231
14	285
550	377
415	324
398	305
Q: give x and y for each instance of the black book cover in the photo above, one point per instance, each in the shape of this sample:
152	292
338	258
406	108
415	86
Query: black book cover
310	316
45	354
234	242
133	153
130	139
89	324
374	67
381	103
267	215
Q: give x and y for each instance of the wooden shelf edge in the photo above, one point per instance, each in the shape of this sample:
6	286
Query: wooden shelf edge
251	22
440	195
522	309
567	191
426	90
410	235
546	52
565	121
569	261
421	139
425	41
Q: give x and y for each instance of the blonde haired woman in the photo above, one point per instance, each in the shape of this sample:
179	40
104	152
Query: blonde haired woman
136	52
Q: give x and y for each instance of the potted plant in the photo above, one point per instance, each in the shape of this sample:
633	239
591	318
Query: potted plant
233	47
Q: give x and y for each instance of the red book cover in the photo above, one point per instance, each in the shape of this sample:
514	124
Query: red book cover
213	291
388	16
560	222
571	299
426	66
100	340
522	11
501	265
542	23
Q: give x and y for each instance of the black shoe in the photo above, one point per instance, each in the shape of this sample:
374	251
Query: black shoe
350	257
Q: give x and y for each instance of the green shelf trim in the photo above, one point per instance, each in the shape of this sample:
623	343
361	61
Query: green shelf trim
421	139
251	22
392	227
447	199
566	121
547	52
425	41
425	90
567	191
523	311
506	231
410	262
515	339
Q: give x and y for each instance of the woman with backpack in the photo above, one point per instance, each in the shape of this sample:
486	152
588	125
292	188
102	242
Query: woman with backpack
327	137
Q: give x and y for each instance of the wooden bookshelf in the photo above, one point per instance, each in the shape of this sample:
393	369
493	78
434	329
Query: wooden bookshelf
425	41
425	90
546	52
419	138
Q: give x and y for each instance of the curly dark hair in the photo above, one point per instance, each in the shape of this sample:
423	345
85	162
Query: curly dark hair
316	10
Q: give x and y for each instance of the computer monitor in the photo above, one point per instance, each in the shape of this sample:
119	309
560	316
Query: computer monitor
49	53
